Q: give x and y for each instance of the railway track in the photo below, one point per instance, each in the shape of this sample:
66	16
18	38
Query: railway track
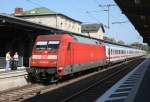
37	89
91	87
93	91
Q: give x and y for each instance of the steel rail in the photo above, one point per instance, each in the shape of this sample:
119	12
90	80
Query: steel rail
91	86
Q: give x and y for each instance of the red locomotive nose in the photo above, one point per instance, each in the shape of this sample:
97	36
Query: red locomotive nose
45	53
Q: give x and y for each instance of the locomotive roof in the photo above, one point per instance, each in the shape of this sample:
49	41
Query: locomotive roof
48	37
102	41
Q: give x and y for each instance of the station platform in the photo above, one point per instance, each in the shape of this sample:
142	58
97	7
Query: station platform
12	78
134	87
3	70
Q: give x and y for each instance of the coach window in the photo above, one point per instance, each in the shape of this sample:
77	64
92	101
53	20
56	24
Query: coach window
111	51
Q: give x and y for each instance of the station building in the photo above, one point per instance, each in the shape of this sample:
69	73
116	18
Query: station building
49	18
94	30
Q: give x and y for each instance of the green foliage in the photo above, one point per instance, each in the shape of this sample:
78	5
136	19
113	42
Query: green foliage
121	42
146	48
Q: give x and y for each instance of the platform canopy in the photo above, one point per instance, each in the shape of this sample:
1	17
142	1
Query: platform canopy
138	12
11	22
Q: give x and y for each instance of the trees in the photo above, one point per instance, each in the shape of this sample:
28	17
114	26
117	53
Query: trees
141	46
109	39
121	42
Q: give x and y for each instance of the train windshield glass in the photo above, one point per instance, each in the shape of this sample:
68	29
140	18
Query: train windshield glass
49	45
41	45
52	45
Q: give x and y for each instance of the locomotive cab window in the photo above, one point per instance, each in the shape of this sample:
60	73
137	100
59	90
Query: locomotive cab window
41	45
52	45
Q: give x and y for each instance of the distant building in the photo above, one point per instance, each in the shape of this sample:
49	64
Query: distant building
93	30
50	18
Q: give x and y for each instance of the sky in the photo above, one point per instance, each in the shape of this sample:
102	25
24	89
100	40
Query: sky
86	11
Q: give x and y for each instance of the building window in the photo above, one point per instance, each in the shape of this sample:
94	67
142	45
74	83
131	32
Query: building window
61	24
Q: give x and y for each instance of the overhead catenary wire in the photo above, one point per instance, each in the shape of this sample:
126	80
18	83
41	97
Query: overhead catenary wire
37	4
107	8
88	12
97	2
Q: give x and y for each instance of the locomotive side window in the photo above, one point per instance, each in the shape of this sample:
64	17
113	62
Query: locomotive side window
41	45
52	45
69	46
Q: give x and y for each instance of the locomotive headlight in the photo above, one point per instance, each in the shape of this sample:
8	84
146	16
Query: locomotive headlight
60	68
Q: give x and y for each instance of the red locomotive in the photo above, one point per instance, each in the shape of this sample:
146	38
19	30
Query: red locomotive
55	56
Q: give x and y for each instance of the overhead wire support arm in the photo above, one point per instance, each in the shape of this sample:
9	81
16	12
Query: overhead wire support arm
37	4
95	11
108	9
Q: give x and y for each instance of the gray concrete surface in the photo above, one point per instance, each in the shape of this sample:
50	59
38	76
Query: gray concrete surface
130	87
12	79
